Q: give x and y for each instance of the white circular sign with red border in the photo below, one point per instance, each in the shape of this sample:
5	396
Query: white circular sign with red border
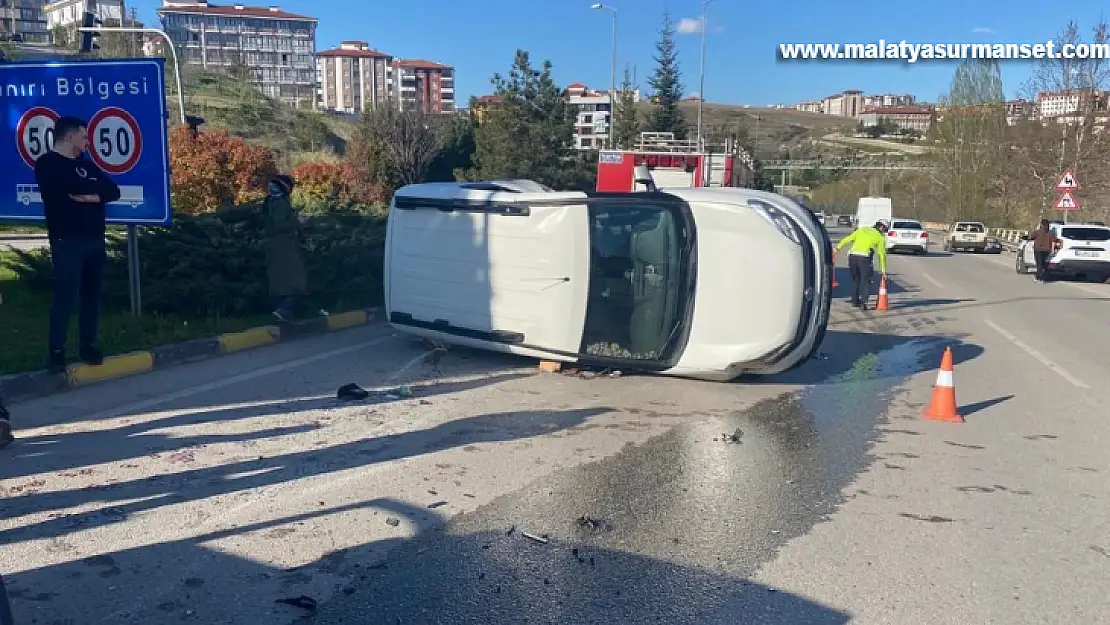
34	134
115	141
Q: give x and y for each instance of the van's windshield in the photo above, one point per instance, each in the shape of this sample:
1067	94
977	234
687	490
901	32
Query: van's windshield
639	261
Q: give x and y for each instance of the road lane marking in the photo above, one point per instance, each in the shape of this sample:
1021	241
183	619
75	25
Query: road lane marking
1044	360
147	404
931	279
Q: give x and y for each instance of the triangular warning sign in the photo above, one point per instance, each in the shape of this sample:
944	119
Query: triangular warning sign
1067	181
1067	202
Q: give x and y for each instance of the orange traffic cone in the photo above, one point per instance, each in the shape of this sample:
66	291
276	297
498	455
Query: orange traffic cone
883	303
834	282
943	405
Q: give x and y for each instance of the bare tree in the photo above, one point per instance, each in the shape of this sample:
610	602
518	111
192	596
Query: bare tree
970	143
1071	140
406	142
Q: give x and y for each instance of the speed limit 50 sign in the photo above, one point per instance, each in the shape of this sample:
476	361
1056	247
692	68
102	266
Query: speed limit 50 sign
115	141
122	103
35	133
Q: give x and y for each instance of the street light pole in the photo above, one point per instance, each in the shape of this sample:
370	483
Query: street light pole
701	70
597	6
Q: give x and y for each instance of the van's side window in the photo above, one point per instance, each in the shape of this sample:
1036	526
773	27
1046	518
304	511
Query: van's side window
637	266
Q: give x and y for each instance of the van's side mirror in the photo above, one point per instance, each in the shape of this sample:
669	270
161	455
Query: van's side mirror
642	175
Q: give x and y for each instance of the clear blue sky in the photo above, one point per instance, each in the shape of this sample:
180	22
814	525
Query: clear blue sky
479	37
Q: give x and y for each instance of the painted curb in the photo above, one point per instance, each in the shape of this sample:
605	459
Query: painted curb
32	385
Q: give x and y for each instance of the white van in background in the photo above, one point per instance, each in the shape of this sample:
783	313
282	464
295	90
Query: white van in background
707	283
873	209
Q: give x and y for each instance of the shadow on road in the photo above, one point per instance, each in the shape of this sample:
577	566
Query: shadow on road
488	577
126	499
971	409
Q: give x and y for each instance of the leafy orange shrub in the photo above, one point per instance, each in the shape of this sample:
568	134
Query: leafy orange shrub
214	170
322	187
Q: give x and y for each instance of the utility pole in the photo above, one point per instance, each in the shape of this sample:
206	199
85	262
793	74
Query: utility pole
597	6
701	71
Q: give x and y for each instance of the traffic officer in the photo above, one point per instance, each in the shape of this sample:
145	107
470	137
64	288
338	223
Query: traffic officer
867	242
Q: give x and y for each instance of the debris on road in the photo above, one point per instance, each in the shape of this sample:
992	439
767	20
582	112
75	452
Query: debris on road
352	392
734	437
304	602
593	525
543	540
392	521
437	504
591	374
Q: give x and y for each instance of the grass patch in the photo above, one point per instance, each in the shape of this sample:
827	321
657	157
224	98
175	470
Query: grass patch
23	327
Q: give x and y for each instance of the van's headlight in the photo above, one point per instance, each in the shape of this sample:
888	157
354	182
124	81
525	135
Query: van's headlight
778	219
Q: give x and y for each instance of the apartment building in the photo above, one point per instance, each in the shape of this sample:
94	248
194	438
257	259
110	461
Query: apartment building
888	99
277	48
24	20
1019	109
424	86
353	78
70	12
1072	102
915	118
844	104
483	105
811	106
593	115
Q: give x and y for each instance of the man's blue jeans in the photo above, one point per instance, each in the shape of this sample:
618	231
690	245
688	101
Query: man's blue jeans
78	268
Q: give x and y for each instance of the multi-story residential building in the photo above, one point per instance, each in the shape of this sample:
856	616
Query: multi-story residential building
23	20
276	47
1072	102
1018	110
915	118
888	99
592	115
484	104
424	86
70	12
811	106
844	104
353	78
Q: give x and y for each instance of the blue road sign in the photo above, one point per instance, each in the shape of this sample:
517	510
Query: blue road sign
124	103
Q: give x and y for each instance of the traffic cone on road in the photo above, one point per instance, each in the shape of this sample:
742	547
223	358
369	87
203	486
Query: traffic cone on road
834	282
883	303
943	405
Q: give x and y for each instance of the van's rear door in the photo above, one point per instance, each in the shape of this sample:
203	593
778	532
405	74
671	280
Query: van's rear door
515	274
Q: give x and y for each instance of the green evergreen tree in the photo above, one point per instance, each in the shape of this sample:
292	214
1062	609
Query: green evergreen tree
666	84
628	124
530	134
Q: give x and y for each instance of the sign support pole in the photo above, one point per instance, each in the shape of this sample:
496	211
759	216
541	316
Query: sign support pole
134	278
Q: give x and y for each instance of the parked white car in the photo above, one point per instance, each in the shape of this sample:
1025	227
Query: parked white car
906	235
707	283
1084	252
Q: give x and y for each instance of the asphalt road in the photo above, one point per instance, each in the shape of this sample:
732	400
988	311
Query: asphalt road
498	495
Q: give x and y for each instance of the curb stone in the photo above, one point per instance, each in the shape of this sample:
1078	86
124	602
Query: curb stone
26	386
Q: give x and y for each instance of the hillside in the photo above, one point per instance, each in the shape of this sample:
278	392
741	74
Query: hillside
234	105
773	130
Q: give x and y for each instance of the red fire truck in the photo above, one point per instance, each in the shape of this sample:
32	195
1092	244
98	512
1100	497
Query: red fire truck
675	163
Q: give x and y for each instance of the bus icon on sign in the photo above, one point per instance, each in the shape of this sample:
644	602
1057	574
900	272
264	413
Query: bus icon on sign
130	195
25	194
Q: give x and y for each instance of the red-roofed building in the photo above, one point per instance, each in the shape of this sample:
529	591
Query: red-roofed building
276	46
353	78
424	85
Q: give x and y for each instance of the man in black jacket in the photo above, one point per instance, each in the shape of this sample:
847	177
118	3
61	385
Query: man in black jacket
74	191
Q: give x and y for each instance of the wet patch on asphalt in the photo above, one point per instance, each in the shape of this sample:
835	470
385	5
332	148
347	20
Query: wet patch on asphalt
686	521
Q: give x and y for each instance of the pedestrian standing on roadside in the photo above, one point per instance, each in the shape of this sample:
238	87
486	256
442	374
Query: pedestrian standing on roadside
74	191
867	242
1044	243
284	264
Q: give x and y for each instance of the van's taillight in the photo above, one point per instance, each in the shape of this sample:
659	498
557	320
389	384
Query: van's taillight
892	234
924	235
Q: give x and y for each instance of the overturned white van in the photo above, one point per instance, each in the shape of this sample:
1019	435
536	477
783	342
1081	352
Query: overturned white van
707	283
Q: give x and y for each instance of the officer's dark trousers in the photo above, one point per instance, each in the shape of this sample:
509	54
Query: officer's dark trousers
861	270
